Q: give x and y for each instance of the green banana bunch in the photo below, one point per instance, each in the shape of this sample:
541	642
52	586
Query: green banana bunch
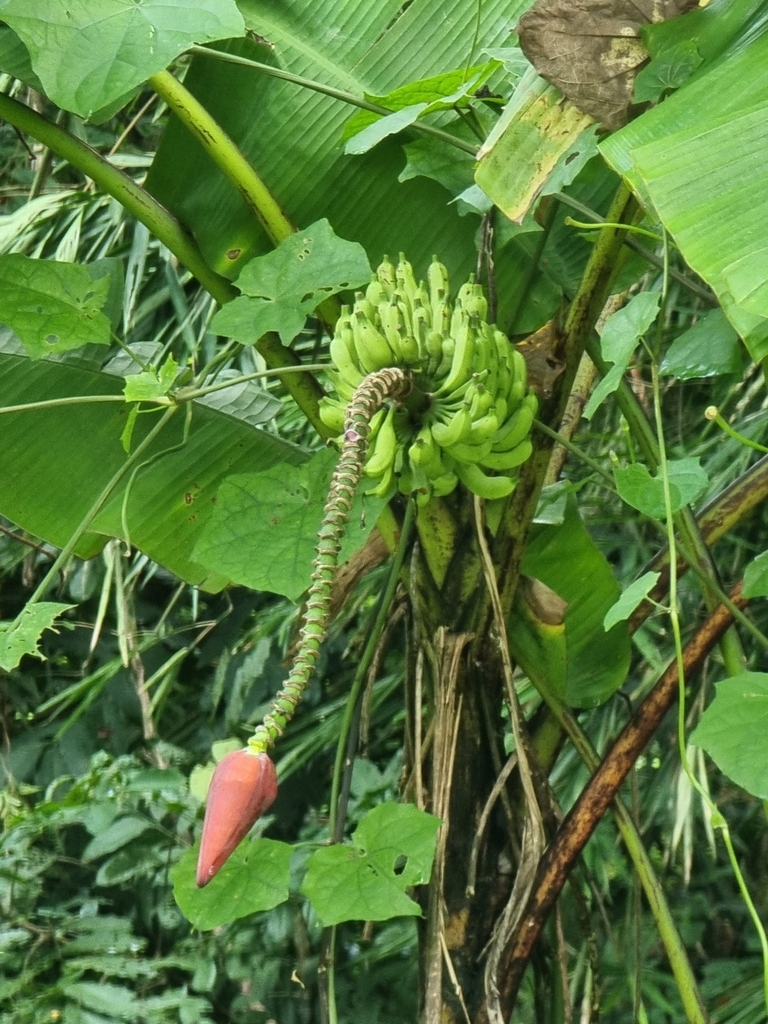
470	417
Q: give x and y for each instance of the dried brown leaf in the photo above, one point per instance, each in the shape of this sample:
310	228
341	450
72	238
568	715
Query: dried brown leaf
540	351
591	49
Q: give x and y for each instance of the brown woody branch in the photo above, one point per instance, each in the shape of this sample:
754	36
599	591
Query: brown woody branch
600	791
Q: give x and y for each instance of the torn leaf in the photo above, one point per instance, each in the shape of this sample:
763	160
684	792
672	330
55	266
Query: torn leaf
536	128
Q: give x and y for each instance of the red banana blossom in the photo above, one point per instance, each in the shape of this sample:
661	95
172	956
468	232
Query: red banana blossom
243	786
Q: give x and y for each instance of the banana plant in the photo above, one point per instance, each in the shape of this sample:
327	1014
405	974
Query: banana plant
447	407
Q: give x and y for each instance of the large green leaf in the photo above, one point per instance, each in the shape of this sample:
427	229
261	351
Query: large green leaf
618	340
21	636
52	307
566	559
278	511
14	59
281	288
687	479
701	160
254	878
394	846
91	54
732	730
707	349
293	136
54	462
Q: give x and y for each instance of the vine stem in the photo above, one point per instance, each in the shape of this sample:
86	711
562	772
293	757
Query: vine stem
330	90
375	390
713	413
179	397
718	821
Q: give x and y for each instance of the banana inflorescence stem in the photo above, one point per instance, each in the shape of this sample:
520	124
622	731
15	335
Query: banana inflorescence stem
375	390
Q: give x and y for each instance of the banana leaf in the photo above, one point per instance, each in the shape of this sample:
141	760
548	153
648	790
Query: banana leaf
700	159
55	461
293	137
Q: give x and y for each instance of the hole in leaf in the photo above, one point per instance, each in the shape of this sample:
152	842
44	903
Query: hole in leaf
571	157
52	339
400	863
232	254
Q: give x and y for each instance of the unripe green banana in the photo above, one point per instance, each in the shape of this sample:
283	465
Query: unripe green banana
445	484
508	459
371	347
517	426
486	357
421	298
503	383
463	357
411	350
385	272
482	404
386	486
392	327
382	451
458	316
422	322
449	433
376	293
332	413
404	307
518	365
437	279
475	302
434	346
532	401
426	453
406	282
448	346
376	421
466	291
344	359
441	316
365	306
469	454
500	408
503	348
472	399
482	429
343	389
484	486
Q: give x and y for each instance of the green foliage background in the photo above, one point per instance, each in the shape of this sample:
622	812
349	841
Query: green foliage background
162	651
